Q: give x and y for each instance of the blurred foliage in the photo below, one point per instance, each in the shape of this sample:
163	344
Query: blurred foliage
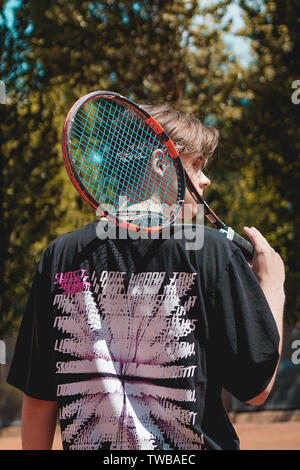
268	134
151	51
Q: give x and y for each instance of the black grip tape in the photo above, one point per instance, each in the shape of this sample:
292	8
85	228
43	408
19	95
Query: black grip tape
246	247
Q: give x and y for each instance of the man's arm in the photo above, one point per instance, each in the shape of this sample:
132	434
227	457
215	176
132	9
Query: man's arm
38	423
268	268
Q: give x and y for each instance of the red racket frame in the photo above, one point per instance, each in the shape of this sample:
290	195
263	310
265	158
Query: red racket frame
152	123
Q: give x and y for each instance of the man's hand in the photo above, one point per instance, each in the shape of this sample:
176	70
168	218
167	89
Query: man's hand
267	264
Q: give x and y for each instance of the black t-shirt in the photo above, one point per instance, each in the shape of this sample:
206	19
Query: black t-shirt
135	340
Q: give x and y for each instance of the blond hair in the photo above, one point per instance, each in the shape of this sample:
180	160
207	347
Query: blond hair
188	133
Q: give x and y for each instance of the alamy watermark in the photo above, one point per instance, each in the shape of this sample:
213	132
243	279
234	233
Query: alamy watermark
2	352
193	234
2	92
296	95
296	354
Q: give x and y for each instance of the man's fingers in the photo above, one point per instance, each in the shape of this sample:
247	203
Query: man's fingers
258	241
253	234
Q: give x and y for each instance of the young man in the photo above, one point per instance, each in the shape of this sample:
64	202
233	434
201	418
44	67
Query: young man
132	341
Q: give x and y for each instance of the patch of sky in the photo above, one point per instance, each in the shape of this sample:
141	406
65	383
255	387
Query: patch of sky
211	120
113	77
8	15
239	46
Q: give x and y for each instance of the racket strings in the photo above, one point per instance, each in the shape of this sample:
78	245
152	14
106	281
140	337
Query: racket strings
135	145
111	149
120	143
103	150
120	177
126	174
134	148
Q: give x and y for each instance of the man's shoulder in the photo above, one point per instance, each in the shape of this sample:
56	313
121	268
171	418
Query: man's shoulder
217	238
213	235
204	238
74	240
204	241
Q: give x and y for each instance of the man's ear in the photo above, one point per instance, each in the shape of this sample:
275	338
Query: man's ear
159	164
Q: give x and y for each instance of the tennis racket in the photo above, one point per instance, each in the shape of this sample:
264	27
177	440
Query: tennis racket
123	163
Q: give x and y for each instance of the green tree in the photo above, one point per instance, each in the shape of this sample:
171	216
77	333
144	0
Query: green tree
133	47
256	174
30	193
270	129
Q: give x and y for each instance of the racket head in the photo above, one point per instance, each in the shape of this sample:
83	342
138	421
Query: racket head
122	162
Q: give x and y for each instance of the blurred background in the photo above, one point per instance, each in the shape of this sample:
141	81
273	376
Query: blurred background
234	64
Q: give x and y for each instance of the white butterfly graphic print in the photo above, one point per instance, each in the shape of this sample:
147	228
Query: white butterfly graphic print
130	345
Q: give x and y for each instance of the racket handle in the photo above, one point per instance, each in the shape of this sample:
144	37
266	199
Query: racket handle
246	247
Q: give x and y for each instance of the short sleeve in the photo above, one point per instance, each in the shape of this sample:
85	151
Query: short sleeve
32	369
245	336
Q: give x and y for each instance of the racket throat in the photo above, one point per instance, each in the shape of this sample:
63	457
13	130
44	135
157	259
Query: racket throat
209	214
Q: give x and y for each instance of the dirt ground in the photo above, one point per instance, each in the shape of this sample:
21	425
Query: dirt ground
253	433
